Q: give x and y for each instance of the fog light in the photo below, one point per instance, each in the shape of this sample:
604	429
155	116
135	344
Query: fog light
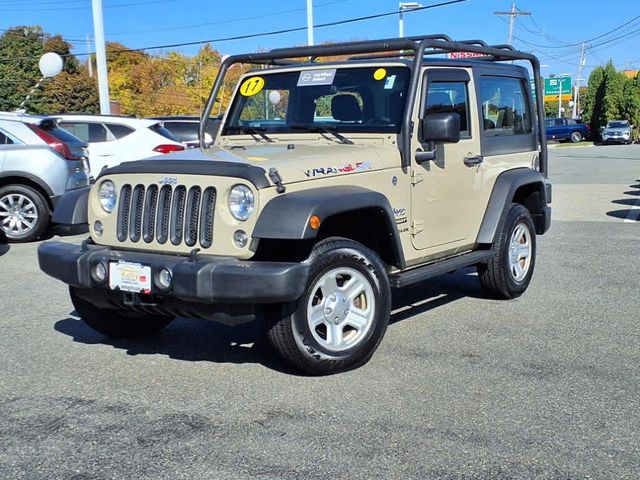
240	238
164	279
98	228
99	272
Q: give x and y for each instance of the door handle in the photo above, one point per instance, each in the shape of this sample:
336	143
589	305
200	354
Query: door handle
473	161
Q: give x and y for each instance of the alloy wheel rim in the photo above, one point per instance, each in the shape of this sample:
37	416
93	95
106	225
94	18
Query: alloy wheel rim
520	252
18	214
340	309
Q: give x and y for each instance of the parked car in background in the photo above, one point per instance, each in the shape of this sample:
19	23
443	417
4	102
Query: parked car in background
187	129
39	162
113	139
566	129
617	131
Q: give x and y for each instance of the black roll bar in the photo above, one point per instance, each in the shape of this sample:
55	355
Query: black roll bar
418	47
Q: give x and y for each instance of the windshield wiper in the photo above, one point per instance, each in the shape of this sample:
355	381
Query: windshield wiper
312	127
251	131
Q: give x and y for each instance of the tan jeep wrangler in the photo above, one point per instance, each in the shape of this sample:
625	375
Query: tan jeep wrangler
328	184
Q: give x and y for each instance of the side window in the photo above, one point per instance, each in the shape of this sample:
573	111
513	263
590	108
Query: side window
505	106
444	97
5	140
119	131
559	122
80	130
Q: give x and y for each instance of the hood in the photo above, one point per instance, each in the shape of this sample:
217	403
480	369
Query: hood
294	162
297	162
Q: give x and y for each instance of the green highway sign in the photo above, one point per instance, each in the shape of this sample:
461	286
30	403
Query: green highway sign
552	85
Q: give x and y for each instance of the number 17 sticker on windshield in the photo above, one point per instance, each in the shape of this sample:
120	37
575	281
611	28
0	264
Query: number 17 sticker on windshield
251	86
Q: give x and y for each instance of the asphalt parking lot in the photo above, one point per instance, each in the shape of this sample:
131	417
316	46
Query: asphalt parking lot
462	387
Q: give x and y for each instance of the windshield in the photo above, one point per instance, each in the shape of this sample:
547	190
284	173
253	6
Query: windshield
617	125
357	99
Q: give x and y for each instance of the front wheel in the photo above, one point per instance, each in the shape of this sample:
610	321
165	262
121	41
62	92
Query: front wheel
341	318
117	323
576	137
509	273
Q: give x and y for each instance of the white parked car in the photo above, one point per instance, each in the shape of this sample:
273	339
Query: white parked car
114	139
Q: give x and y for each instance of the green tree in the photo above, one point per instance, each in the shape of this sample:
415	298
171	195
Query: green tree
613	98
20	50
631	103
593	99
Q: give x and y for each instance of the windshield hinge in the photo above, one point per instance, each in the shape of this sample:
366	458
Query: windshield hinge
417	226
416	177
275	177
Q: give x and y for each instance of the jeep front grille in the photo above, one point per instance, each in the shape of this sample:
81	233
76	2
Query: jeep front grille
174	214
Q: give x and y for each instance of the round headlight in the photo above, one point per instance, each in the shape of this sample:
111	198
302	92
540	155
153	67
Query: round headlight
241	202
107	195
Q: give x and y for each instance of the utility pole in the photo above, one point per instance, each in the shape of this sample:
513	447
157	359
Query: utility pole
101	58
309	22
576	88
513	13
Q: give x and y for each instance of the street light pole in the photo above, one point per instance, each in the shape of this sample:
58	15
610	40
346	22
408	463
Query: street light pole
402	6
309	22
101	58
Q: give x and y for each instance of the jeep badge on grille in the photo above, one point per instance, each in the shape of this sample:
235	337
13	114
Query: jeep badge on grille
168	181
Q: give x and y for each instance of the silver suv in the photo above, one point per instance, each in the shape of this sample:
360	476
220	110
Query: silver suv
617	131
39	162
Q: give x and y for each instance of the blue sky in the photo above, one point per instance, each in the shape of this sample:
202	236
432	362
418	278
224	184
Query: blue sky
552	31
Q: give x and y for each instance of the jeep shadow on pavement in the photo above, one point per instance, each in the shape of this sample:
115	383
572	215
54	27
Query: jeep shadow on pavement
329	183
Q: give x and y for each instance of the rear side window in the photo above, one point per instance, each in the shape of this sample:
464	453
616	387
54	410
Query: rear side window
160	130
119	131
4	139
505	106
449	97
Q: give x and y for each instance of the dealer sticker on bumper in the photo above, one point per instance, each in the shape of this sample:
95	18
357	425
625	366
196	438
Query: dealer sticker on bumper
130	277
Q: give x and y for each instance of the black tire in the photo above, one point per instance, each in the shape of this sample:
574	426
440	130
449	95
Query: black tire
117	323
497	276
576	137
35	205
290	333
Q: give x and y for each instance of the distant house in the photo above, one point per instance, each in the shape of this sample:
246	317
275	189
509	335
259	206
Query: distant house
631	73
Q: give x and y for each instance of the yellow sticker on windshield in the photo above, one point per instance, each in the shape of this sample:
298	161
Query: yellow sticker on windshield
251	86
380	73
257	159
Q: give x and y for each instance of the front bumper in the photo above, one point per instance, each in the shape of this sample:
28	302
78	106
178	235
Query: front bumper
198	283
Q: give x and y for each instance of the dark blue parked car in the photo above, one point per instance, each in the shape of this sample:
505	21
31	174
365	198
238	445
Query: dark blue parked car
566	129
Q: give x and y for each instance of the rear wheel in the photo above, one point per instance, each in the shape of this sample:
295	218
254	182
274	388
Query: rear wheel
576	137
117	323
340	320
24	213
509	273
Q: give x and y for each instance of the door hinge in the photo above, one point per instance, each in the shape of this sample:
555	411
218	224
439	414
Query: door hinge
416	177
417	226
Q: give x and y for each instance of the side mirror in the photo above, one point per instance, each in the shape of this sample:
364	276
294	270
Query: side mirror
437	128
440	127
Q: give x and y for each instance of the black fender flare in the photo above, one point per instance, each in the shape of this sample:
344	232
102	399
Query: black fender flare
71	208
502	195
287	216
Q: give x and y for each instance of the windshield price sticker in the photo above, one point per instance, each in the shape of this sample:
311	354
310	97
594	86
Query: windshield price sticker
310	78
251	86
380	73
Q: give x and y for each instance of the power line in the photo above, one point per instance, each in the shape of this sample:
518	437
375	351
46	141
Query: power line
277	32
119	5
